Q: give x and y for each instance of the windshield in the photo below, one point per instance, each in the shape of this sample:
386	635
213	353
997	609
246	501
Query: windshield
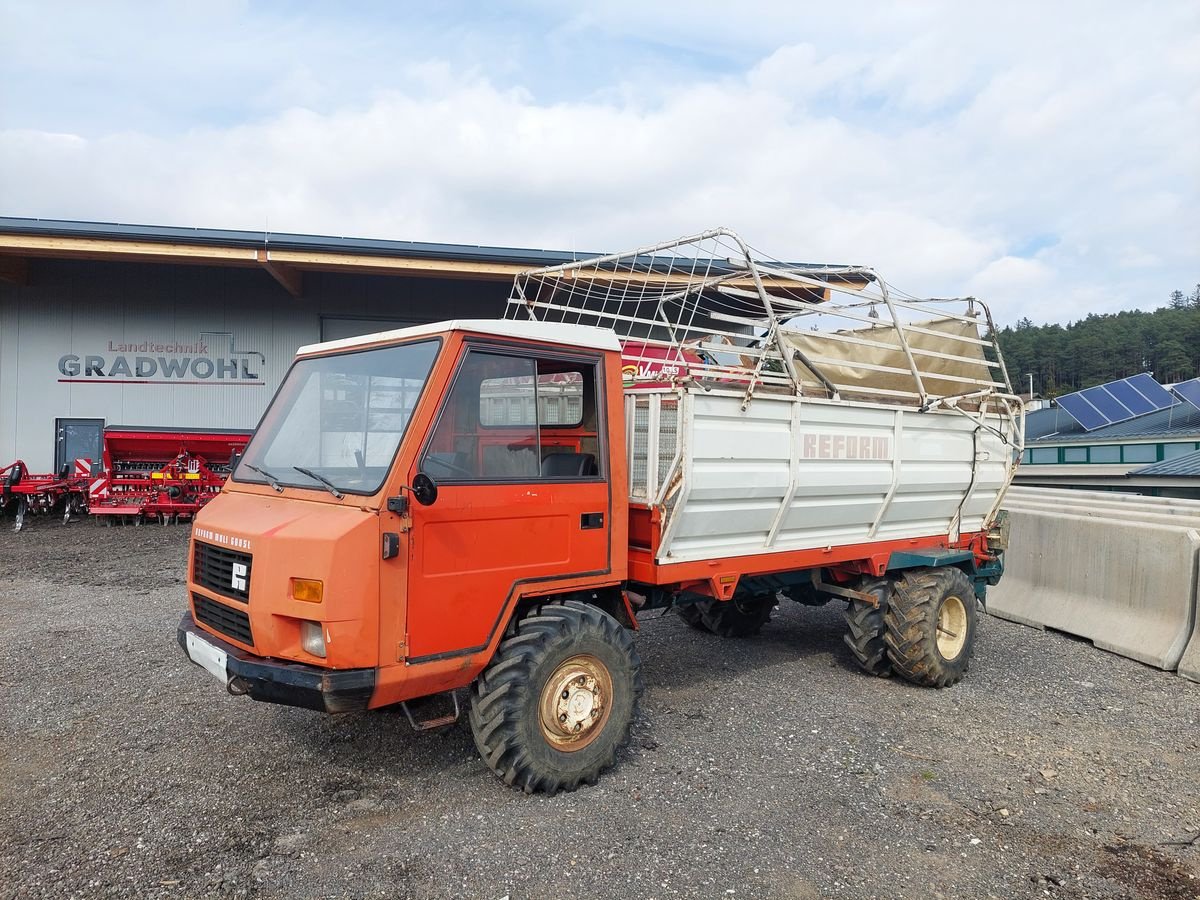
341	418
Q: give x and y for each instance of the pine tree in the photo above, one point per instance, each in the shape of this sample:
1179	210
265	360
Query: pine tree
1173	362
1101	348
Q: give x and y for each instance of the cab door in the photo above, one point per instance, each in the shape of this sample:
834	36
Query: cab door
518	451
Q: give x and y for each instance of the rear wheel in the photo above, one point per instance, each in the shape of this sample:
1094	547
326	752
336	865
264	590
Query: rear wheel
693	615
806	594
741	616
931	621
866	628
557	700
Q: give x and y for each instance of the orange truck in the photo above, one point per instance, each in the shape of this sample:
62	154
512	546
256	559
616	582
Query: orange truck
489	505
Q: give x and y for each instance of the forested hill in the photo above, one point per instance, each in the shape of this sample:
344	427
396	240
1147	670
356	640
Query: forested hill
1100	348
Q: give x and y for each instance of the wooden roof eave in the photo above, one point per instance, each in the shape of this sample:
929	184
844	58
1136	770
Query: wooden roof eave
285	265
110	250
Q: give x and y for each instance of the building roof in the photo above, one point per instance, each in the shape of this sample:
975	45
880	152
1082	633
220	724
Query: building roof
1055	426
285	241
1185	466
59	237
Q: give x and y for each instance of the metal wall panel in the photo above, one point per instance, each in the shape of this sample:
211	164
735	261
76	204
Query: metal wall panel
90	308
8	375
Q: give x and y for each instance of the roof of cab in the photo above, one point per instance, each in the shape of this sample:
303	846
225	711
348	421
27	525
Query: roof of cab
532	330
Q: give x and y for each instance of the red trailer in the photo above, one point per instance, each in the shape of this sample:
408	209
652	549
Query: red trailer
163	475
23	493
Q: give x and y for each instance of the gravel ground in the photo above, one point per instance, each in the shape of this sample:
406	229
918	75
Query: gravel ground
764	768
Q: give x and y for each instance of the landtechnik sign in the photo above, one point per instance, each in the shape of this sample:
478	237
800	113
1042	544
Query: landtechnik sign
152	362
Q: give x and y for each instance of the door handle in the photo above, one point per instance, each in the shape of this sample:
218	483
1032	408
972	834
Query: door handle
591	520
391	545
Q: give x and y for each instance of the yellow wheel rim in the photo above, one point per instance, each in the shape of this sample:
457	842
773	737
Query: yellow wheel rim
951	627
575	703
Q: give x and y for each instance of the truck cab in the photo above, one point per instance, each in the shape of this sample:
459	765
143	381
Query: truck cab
402	494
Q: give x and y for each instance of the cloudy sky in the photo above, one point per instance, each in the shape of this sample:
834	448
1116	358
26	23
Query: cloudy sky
1045	156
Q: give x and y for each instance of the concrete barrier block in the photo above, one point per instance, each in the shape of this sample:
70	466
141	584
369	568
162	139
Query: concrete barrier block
1149	515
1127	586
1074	496
1189	664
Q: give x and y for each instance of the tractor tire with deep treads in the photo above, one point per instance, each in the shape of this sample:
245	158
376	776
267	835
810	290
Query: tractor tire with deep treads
735	618
931	621
556	702
866	628
693	615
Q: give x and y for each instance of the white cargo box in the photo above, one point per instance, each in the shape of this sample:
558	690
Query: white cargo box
788	473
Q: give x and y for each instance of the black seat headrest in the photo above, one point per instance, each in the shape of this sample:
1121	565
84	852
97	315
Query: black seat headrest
565	465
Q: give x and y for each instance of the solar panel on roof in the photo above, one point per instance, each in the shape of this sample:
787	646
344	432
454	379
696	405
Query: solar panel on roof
1189	391
1082	412
1152	390
1108	405
1129	395
1118	401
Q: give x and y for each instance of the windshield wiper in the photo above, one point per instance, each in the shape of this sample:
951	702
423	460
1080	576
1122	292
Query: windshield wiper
321	478
267	475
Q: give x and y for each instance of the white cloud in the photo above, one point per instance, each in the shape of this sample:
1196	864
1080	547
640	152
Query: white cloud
1023	155
1011	278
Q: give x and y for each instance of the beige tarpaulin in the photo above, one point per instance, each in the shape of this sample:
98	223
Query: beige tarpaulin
844	361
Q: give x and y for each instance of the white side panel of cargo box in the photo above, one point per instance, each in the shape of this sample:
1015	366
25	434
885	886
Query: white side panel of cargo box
791	474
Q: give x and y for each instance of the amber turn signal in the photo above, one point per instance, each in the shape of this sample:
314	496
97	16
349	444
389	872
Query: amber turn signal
307	590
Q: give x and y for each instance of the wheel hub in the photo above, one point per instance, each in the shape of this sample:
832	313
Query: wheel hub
951	627
575	702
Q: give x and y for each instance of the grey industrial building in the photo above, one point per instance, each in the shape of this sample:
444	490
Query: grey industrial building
1156	454
185	328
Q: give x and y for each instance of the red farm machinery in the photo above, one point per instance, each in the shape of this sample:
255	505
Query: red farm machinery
146	474
24	493
161	475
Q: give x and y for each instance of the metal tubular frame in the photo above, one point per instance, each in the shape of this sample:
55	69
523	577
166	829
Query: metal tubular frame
716	277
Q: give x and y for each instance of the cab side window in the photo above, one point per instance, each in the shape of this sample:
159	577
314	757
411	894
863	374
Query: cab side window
513	417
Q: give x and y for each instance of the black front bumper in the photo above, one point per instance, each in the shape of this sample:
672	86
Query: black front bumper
289	683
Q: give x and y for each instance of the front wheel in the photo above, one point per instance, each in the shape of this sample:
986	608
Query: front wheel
931	622
556	702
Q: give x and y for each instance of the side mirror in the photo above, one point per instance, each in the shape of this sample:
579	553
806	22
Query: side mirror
424	489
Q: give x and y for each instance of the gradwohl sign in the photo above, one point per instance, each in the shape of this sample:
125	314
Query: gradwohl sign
150	362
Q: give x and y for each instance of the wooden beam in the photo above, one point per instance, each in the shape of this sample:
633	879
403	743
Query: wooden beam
144	251
494	271
14	270
106	249
291	279
279	262
397	265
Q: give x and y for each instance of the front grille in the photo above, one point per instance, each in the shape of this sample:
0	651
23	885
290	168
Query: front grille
231	622
214	569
